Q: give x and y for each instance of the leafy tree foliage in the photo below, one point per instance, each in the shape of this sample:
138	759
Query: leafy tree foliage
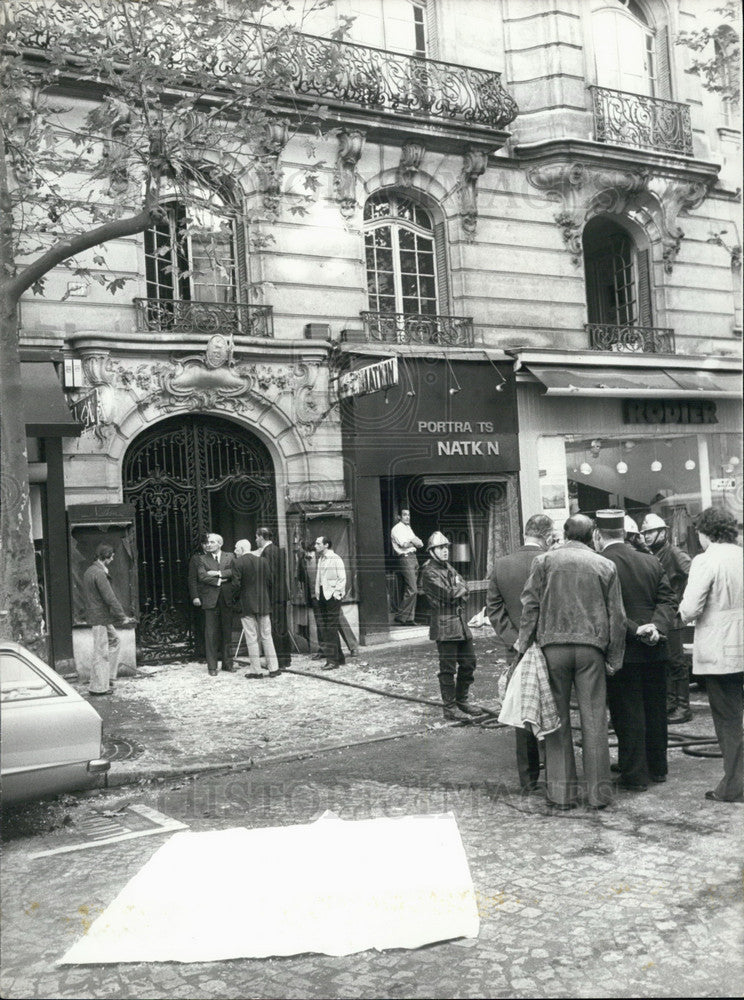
109	109
719	62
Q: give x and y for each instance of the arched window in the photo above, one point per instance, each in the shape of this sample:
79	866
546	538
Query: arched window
618	279
191	253
405	257
631	54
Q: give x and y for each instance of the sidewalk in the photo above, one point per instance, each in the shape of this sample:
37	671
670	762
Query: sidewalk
175	718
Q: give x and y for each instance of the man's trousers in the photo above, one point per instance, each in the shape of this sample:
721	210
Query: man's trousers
106	646
218	634
408	573
638	709
725	697
329	612
584	667
257	632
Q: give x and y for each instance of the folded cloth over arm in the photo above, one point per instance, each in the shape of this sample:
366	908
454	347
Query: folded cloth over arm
529	702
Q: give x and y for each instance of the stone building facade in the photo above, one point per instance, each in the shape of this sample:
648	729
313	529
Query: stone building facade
530	206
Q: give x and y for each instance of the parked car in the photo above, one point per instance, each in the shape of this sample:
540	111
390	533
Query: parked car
50	737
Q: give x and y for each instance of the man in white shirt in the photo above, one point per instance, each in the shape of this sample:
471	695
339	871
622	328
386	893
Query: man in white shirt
330	587
405	543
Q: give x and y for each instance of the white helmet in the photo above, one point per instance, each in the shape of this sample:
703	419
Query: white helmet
652	521
436	540
630	526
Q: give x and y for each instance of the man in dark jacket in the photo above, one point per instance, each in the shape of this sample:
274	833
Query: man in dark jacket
676	565
571	607
250	579
637	695
210	578
447	594
278	594
102	611
504	610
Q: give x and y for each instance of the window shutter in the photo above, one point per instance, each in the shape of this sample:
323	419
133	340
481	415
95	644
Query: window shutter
440	251
242	275
432	33
643	269
663	64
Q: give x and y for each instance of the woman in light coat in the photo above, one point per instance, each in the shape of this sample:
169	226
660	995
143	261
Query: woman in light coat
713	599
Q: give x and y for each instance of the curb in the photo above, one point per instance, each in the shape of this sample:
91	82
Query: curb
121	779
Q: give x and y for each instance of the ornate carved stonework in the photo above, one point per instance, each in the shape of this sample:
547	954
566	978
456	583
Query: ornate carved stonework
208	381
411	156
585	190
474	164
277	133
350	146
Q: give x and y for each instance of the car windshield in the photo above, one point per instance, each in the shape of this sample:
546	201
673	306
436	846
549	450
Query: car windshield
20	682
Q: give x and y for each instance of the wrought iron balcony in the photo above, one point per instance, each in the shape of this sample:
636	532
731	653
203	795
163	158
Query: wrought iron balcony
417	328
186	316
644	122
291	64
630	339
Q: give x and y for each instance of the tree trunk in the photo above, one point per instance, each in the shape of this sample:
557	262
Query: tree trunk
21	616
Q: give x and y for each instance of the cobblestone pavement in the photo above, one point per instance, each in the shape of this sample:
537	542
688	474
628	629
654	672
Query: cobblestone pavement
186	719
642	900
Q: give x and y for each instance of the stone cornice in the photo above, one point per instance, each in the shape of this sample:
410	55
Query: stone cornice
137	343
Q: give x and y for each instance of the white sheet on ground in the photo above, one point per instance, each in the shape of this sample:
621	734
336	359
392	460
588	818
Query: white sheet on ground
334	887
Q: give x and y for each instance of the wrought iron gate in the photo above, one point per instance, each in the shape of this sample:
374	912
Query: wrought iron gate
188	475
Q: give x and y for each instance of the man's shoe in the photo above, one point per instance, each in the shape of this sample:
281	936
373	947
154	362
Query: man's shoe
681	719
100	694
212	673
629	787
255	677
329	666
453	713
715	797
562	806
658	778
230	670
615	768
598	806
273	673
317	656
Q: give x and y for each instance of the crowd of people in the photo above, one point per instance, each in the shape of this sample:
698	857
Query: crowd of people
605	605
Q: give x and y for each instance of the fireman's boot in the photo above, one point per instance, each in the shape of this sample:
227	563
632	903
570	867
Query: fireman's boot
450	708
461	698
682	713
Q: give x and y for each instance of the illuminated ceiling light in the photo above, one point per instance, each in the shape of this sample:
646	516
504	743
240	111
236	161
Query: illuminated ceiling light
622	468
656	465
585	469
689	464
734	460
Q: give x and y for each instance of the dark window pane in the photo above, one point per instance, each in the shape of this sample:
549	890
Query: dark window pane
408	262
384	260
426	263
409	284
381	236
427	287
406	239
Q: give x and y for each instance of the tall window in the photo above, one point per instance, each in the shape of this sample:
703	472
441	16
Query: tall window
618	289
625	49
190	253
401	254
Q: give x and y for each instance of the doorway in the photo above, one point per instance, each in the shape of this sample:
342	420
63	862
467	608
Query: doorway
188	475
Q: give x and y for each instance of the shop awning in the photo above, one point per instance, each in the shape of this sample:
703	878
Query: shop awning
44	406
659	383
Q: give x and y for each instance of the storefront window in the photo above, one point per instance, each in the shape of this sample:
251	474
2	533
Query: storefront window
674	475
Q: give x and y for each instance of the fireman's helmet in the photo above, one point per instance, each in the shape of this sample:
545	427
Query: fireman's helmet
436	540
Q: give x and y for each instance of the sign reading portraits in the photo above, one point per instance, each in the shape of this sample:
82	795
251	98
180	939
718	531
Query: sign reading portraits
443	416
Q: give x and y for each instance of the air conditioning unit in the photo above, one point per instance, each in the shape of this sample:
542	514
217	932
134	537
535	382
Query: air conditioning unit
317	331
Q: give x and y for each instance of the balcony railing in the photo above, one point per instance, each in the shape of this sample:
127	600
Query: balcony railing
644	122
417	328
630	339
186	316
291	64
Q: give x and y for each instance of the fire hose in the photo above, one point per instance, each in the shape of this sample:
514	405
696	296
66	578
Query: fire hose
489	719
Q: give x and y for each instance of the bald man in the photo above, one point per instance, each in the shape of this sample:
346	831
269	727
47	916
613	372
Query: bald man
572	608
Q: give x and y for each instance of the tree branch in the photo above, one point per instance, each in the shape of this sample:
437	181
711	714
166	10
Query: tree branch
115	229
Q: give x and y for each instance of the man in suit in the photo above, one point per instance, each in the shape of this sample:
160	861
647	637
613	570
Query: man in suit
210	578
504	610
637	694
330	588
278	594
251	588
